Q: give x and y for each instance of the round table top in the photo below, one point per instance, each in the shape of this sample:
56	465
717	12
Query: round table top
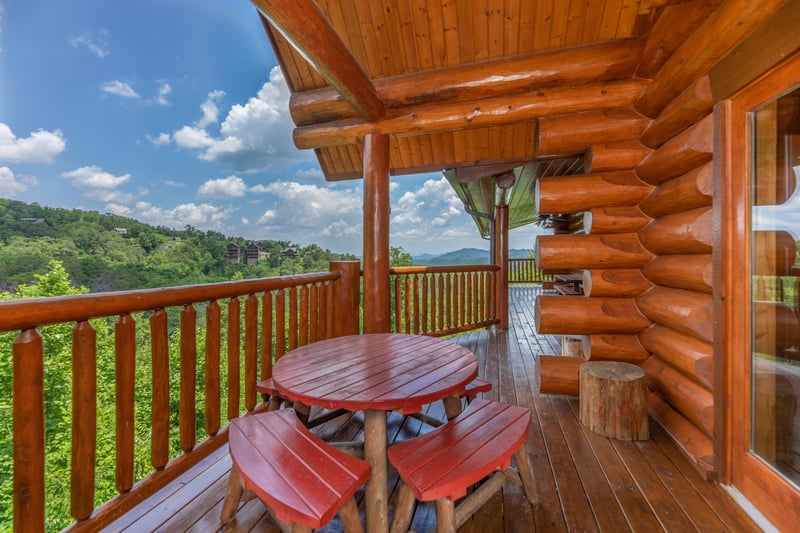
380	371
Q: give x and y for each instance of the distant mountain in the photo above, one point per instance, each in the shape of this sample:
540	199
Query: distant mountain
465	256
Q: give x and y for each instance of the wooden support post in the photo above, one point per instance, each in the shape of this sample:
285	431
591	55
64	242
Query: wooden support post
613	400
346	297
377	316
501	259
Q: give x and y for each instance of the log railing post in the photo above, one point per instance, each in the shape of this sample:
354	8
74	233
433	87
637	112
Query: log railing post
501	259
377	314
346	296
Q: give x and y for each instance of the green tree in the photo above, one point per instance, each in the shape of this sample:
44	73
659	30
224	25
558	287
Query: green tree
399	257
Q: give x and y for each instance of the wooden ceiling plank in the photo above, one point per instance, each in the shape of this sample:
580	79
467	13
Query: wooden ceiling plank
397	52
422	32
480	31
627	19
385	54
464	28
610	20
305	25
404	12
592	19
495	26
574	34
511	28
559	20
361	36
450	26
528	26
437	35
574	66
297	68
488	112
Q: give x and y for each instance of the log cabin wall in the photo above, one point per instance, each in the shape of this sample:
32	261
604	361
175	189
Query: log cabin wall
647	198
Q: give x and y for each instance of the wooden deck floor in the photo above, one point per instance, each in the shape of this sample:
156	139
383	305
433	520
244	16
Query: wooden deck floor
586	482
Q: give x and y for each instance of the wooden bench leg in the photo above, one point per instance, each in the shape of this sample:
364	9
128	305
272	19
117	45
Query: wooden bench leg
233	493
403	509
351	521
470	505
452	407
526	474
445	516
302	411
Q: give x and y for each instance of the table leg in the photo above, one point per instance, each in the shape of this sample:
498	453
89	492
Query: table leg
377	491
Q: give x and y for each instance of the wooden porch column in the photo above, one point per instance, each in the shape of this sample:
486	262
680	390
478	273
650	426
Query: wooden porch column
377	318
346	297
500	250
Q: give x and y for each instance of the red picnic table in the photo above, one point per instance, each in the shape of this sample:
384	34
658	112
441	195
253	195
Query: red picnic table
375	373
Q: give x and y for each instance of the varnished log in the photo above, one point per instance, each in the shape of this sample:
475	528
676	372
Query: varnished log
693	357
211	381
775	328
377	318
187	419
593	63
691	399
613	400
691	272
695	446
159	406
690	232
724	28
451	116
689	150
774	253
688	108
84	420
571	194
684	311
615	282
610	347
570	315
574	252
569	134
606	157
125	369
674	24
558	374
304	24
624	219
346	296
690	191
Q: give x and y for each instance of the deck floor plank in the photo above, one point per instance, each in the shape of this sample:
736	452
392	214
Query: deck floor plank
586	482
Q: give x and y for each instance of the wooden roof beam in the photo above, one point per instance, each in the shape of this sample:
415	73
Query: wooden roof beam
464	115
305	26
613	60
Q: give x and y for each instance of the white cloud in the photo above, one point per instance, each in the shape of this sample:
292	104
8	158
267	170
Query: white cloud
434	201
97	44
201	216
172	183
230	187
11	185
94	177
160	139
119	88
164	90
40	147
117	209
252	137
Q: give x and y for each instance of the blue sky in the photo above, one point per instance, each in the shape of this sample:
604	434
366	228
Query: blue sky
174	112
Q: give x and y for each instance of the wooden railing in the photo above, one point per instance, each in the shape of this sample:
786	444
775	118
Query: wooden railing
525	271
252	322
443	300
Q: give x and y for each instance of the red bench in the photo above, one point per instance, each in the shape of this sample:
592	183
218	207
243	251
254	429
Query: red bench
452	405
443	464
302	479
270	394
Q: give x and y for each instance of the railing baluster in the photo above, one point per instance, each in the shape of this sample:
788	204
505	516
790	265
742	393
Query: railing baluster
28	400
266	336
84	419
186	410
234	342
425	324
159	447
329	310
398	306
407	304
416	303
280	324
250	351
313	313
442	300
292	318
211	382
125	349
304	322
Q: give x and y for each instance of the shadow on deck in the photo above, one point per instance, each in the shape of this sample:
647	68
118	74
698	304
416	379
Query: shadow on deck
586	482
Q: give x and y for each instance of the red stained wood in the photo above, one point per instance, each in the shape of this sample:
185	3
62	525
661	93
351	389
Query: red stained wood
84	419
159	346
186	411
211	383
234	342
250	350
125	368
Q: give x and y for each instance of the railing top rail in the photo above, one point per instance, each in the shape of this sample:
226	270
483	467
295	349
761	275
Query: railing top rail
32	312
441	269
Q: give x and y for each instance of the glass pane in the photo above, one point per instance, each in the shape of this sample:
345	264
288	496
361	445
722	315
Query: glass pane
775	284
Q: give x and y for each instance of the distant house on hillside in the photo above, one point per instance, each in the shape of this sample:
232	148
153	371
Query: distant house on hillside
234	253
254	254
35	220
291	253
122	231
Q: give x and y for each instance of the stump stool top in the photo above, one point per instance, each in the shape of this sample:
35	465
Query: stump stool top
613	399
612	370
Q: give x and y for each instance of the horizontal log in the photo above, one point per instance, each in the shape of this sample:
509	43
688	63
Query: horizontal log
603	220
723	29
693	357
577	252
626	348
690	272
569	134
499	111
775	328
695	446
571	194
558	374
690	107
774	253
615	282
690	232
690	191
690	149
670	29
476	81
571	315
692	400
688	312
605	157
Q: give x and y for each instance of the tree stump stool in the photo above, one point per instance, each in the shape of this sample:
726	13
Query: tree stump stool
613	400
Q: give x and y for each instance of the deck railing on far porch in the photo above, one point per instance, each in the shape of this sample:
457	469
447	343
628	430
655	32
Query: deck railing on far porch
242	327
526	271
444	300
